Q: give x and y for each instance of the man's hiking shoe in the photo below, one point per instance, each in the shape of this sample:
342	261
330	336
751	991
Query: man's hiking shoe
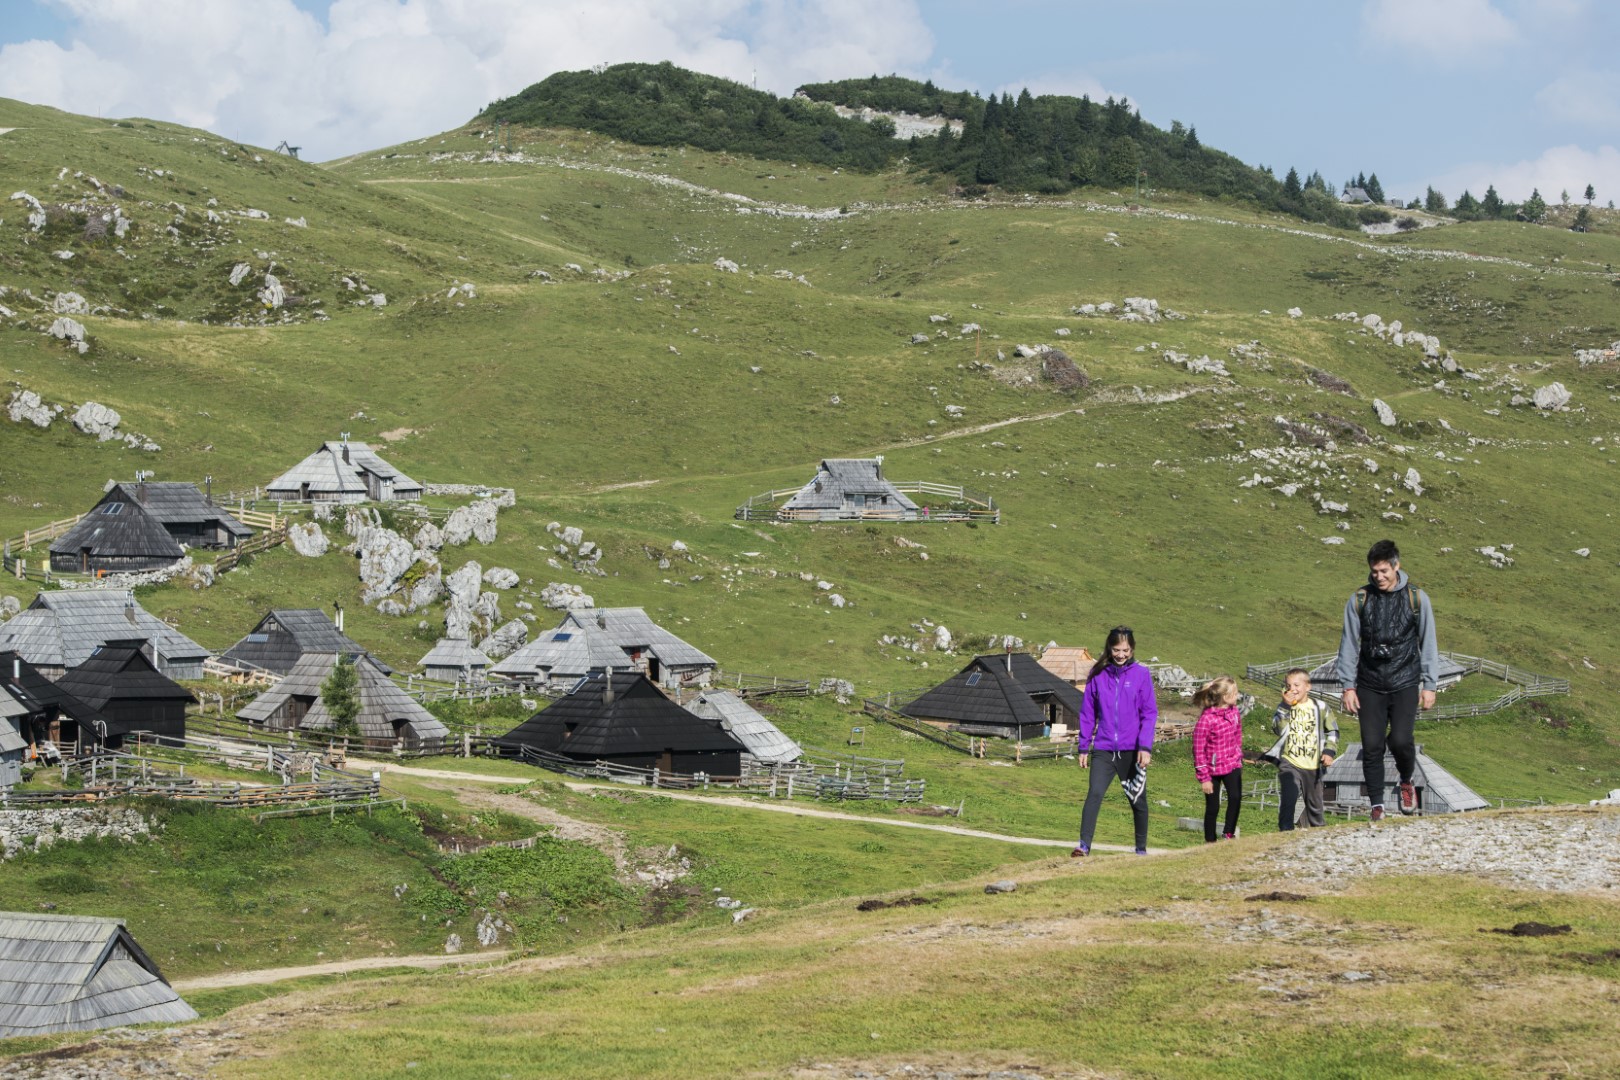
1080	852
1377	814
1408	797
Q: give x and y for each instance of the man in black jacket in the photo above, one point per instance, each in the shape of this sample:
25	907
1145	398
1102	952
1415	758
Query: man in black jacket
1389	667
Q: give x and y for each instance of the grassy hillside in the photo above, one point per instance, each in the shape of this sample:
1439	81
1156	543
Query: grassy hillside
645	394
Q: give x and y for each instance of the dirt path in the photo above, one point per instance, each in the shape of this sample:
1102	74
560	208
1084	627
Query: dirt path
338	967
779	808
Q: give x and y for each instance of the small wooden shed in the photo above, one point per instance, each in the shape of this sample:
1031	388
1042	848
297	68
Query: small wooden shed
850	488
60	629
286	635
46	717
78	973
387	713
120	682
1438	791
455	660
1071	663
344	472
624	719
144	526
1009	696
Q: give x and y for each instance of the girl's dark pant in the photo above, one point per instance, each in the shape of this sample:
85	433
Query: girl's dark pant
1106	766
1233	783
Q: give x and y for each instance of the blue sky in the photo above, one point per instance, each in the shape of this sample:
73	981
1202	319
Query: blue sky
1451	93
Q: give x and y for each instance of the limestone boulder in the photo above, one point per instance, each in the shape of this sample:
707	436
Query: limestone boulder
1552	397
70	303
384	557
1386	415
473	521
499	577
506	640
424	584
561	596
463	585
98	420
308	540
25	405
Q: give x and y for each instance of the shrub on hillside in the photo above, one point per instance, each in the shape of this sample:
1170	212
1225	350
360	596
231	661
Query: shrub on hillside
1374	215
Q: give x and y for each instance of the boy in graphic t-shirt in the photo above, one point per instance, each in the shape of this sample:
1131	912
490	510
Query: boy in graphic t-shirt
1308	741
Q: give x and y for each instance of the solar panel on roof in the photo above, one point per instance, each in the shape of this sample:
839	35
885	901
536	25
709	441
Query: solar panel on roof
113	508
564	636
973	679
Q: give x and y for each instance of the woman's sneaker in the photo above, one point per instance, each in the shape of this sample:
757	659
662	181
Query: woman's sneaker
1141	851
1377	814
1080	852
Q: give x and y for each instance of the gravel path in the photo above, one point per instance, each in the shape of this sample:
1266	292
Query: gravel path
1565	850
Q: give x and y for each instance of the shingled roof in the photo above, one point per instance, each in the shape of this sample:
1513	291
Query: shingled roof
597	639
763	739
386	711
286	635
1439	792
839	478
117	529
457	653
60	629
118	674
339	469
43	698
636	718
78	973
986	693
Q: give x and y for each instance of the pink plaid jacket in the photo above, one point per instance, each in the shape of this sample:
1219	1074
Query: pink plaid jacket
1217	743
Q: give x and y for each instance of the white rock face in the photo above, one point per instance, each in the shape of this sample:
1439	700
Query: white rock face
1412	482
573	536
1295	313
239	274
677	545
273	295
384	557
942	638
836	601
725	265
308	540
429	538
473	521
464	585
505	641
1552	397
499	577
9	606
70	303
72	330
428	585
25	405
1386	415
97	420
564	597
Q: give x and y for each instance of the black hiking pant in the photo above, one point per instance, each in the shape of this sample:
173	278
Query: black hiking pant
1105	767
1233	783
1387	720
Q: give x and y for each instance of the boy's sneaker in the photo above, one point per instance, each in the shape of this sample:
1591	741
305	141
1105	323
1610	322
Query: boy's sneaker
1377	814
1408	797
1141	851
1080	852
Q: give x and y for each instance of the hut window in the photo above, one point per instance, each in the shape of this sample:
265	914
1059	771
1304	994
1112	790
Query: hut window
973	679
113	508
562	636
258	639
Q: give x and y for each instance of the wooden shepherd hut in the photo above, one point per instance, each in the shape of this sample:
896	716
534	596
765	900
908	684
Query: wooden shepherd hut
1438	791
45	716
1071	663
387	713
344	472
78	973
1009	696
144	525
120	682
287	635
764	740
60	629
622	718
846	488
607	639
454	660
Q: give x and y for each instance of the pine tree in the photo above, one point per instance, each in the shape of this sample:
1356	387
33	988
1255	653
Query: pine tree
1192	138
1291	185
1535	207
1590	194
1434	202
1491	204
340	693
1375	190
1467	206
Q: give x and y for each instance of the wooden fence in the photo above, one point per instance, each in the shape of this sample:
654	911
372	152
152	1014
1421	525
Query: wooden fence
261	541
973	745
959	505
1524	685
785	785
747	685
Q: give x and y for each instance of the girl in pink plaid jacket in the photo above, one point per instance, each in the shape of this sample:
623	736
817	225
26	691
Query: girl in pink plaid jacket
1218	752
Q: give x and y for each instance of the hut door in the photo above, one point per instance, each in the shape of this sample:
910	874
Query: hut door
652	668
666	762
84	560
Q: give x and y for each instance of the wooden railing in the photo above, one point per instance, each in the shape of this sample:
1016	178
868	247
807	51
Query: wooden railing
973	745
30	537
262	541
1524	684
786	784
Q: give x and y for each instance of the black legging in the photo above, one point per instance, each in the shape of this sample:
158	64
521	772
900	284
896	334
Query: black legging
1233	783
1395	713
1106	765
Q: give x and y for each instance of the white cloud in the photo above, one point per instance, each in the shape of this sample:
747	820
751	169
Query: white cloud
383	71
1558	169
1584	98
1444	31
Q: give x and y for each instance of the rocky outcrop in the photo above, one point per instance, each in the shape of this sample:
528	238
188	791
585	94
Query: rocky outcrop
98	420
473	521
25	405
505	641
308	540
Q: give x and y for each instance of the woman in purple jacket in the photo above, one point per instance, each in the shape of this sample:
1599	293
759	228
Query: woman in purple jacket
1117	716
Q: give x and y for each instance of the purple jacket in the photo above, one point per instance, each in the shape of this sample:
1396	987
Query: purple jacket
1118	711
